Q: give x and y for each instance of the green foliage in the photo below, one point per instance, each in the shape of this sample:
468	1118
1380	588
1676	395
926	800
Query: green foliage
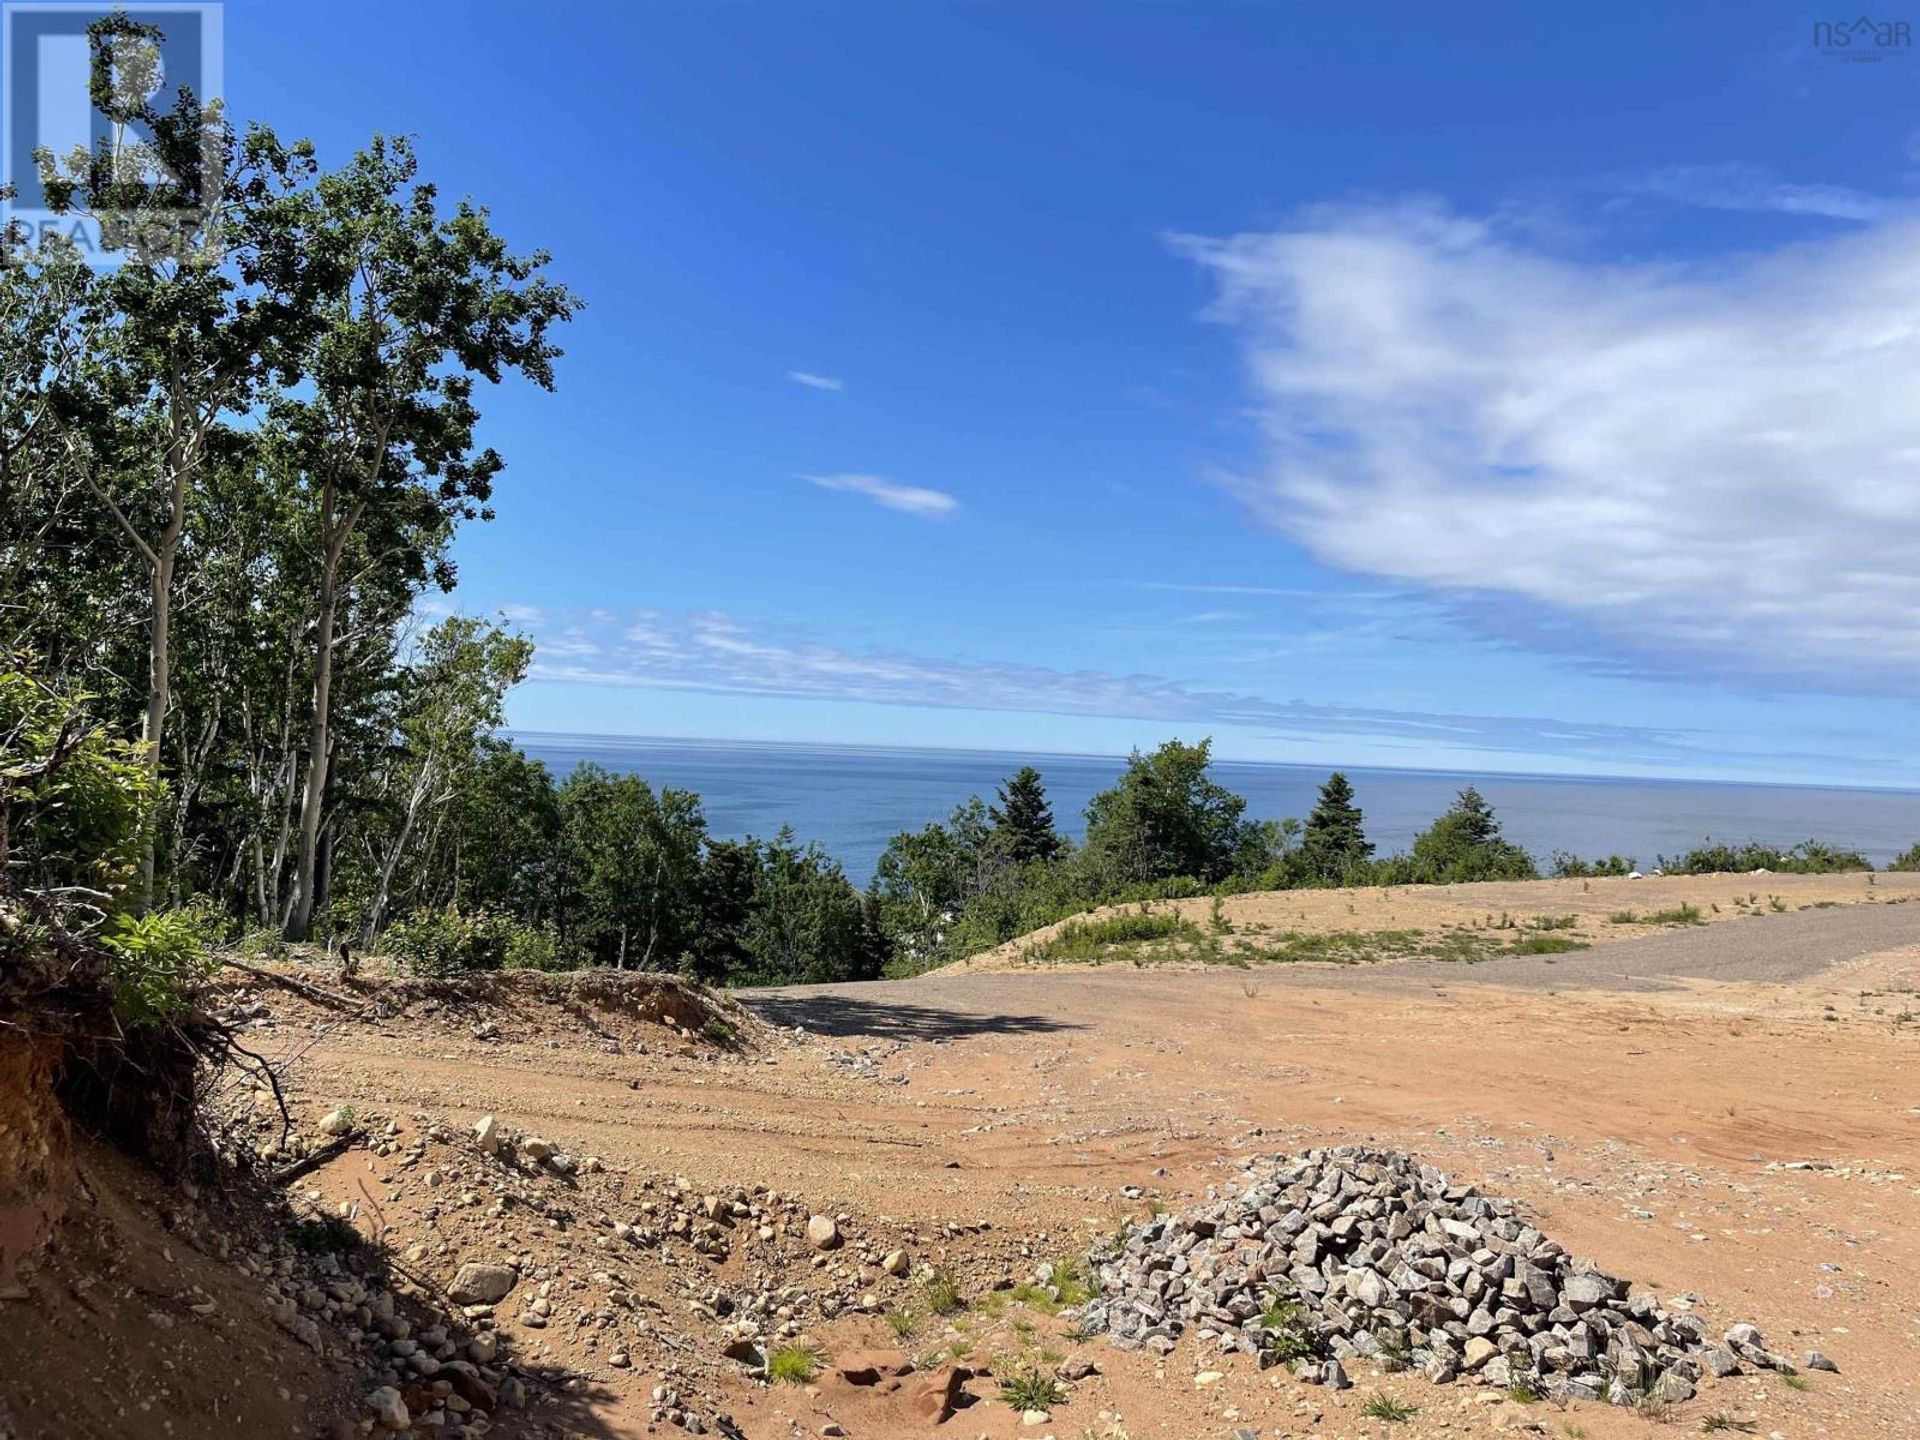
793	1365
1908	859
1546	945
1023	820
806	923
1382	1406
633	859
1096	939
1334	847
1564	866
158	961
434	944
1684	913
1809	857
1285	1330
75	806
1030	1389
1464	844
942	1294
535	947
1165	818
904	1322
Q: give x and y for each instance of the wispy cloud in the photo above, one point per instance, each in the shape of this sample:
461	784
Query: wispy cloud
1283	592
716	653
1738	186
1710	467
908	499
815	382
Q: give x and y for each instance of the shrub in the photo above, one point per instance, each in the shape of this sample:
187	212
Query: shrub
449	941
535	947
1093	939
1684	913
157	961
1809	857
1564	866
1288	1335
1907	859
1547	945
75	806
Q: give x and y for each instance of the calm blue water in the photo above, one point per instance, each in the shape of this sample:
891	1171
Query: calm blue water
852	798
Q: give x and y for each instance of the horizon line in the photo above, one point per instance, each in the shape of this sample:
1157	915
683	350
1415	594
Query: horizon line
1043	754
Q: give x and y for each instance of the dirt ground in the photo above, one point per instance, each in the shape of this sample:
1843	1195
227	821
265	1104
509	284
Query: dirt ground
1752	1143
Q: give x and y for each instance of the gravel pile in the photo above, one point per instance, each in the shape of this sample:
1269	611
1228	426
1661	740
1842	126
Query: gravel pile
1352	1253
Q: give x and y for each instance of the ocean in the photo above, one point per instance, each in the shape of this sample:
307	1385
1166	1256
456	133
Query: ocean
853	798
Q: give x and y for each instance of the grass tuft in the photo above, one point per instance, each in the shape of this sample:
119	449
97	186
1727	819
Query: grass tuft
942	1295
1382	1406
904	1323
792	1365
1030	1390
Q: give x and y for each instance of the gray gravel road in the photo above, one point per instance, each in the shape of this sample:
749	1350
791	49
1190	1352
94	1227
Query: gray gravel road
1772	949
1766	948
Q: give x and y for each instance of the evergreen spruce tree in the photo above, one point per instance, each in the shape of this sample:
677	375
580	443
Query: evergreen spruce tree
1023	821
1466	844
1335	842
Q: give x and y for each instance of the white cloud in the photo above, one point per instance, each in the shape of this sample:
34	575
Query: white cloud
713	652
1749	187
815	382
908	499
1710	466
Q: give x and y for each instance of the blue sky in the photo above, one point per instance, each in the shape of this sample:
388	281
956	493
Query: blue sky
1511	387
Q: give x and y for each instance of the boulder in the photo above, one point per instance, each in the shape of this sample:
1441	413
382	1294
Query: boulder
479	1282
933	1397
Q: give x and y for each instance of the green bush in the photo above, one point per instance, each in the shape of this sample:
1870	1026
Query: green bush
1464	844
1809	857
157	961
1094	939
1564	866
435	943
1908	859
535	947
74	805
448	941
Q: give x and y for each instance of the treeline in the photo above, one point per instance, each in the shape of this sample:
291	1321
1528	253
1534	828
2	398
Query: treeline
603	869
232	464
1166	829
